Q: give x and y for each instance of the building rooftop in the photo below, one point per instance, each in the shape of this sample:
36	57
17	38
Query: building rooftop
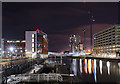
115	26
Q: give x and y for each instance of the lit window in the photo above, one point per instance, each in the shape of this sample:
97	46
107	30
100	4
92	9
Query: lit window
15	50
32	44
43	36
32	40
39	50
32	35
20	47
21	51
32	49
40	45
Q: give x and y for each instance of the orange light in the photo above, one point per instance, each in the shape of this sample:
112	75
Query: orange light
85	66
92	66
88	50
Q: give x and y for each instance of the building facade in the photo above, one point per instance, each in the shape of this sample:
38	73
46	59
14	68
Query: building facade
75	44
107	42
18	48
36	44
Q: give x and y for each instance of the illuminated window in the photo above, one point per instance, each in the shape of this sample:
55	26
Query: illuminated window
39	50
32	40
32	49
15	50
32	44
39	45
33	35
43	36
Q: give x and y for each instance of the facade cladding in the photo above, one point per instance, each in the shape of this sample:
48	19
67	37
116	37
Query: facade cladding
18	48
107	42
36	44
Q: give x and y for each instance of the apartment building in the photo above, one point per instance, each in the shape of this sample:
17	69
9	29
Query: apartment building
107	42
36	44
17	46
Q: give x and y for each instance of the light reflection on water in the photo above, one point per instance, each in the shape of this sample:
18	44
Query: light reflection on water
95	70
108	66
100	63
92	70
89	67
85	67
81	65
74	66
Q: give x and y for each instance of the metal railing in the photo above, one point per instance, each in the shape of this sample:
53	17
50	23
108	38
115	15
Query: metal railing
41	77
35	77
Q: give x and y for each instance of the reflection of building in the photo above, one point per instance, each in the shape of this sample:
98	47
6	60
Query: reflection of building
19	48
36	44
107	42
75	44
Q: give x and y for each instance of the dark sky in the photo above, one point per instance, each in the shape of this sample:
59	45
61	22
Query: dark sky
58	20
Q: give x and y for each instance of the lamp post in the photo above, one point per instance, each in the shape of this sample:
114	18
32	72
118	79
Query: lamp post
84	39
91	19
11	51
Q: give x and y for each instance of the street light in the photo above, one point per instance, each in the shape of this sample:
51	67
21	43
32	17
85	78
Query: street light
11	50
84	38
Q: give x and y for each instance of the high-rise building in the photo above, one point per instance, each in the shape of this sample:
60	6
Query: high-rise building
72	43
107	42
36	44
75	44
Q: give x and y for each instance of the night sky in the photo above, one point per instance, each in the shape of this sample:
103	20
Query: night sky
58	20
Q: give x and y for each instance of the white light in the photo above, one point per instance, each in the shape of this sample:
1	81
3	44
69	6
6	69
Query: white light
71	74
100	63
32	35
81	65
108	66
43	36
17	41
89	66
93	20
23	41
11	49
15	50
8	41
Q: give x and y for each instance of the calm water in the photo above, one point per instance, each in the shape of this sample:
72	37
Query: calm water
90	70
